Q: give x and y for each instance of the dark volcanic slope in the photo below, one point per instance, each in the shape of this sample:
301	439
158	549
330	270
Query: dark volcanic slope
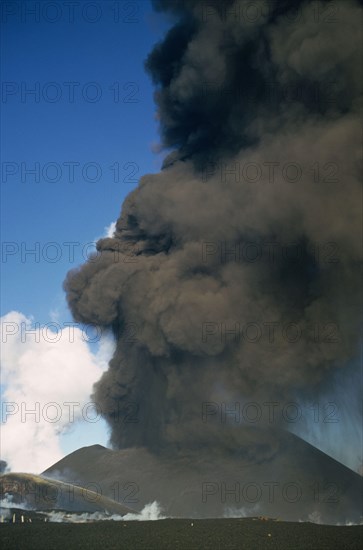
50	494
224	534
194	485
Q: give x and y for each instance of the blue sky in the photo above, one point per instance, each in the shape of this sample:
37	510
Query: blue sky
103	132
87	131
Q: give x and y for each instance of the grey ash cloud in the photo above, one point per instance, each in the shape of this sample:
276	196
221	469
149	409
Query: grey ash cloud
213	76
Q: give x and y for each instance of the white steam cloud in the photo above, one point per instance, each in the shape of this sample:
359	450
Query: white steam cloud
47	380
150	512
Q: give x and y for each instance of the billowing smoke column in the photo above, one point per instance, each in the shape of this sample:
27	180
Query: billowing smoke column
252	226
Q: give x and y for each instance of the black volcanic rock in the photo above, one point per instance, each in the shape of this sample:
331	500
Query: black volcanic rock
298	482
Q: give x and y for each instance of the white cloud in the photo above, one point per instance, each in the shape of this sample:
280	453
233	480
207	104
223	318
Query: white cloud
110	229
41	366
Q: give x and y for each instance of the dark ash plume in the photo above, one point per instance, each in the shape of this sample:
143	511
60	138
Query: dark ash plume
280	97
